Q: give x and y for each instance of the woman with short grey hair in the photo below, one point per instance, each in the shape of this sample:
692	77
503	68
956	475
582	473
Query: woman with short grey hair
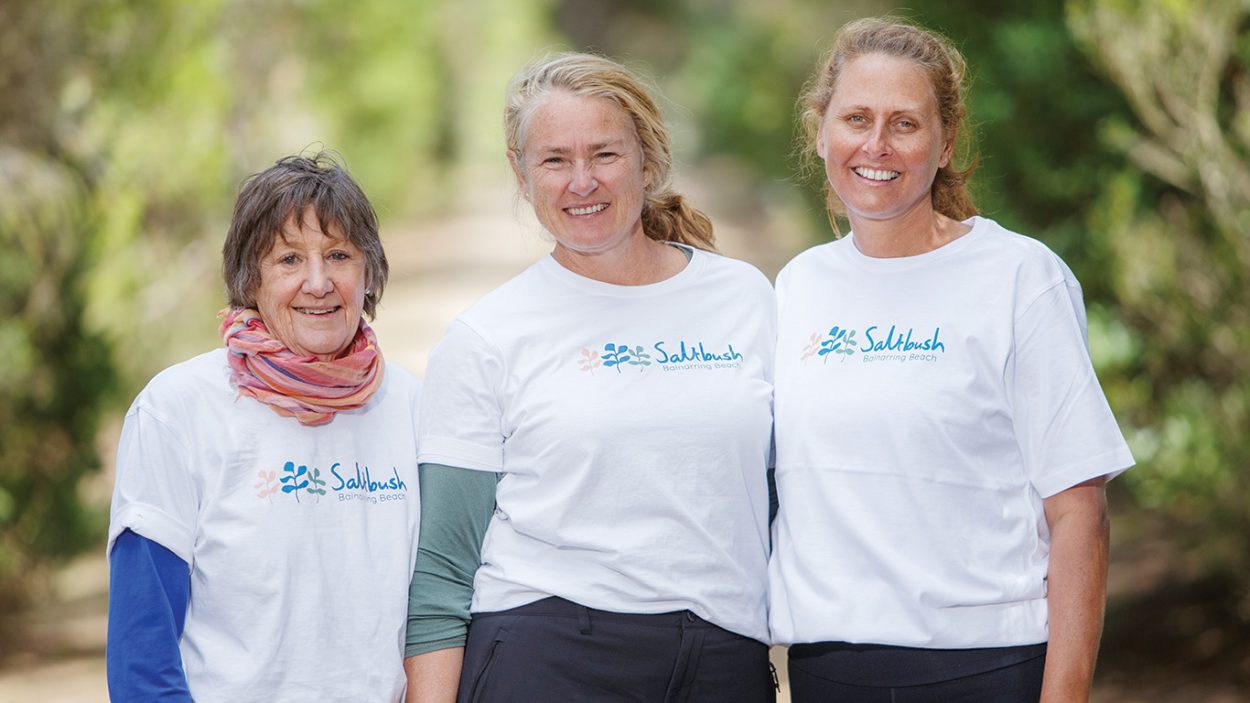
265	510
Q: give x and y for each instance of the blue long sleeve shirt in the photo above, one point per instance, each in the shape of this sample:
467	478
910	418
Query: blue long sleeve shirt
149	587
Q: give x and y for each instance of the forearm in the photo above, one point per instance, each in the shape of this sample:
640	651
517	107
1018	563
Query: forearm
1077	588
434	677
457	505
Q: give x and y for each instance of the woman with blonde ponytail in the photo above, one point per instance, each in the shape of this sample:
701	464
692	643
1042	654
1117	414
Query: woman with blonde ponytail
942	440
596	433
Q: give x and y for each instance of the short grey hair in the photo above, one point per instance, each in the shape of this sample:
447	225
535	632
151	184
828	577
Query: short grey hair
283	192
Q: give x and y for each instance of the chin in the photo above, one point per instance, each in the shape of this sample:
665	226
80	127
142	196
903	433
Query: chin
324	349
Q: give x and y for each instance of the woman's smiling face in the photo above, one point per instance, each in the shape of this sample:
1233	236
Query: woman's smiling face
882	138
312	288
581	168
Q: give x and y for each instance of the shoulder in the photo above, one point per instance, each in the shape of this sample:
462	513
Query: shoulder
463	354
813	258
723	269
517	292
1013	247
1034	265
401	380
185	395
207	373
529	292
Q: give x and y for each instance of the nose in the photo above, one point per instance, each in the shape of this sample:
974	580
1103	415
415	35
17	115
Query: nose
316	278
583	182
877	145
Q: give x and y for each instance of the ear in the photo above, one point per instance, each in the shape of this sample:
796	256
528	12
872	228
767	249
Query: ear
947	151
820	142
515	163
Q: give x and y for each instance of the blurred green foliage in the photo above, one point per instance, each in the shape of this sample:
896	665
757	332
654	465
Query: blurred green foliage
1174	220
57	373
125	129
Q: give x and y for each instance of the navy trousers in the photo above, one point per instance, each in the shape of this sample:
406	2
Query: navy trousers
813	681
556	650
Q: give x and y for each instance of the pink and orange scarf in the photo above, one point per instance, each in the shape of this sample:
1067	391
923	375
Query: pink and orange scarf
297	386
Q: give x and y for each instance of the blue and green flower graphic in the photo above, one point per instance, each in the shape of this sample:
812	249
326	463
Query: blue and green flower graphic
839	341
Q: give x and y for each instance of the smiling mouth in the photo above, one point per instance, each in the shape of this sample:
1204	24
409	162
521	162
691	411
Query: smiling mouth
587	209
873	174
317	311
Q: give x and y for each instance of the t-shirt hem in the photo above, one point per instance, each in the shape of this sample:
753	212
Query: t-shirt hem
460	454
1109	464
484	603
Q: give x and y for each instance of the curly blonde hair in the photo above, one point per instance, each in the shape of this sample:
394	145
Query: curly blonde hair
666	216
946	70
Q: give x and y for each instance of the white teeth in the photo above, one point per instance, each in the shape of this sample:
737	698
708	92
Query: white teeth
316	311
588	210
875	175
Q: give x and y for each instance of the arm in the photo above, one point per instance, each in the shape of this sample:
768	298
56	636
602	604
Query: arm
434	677
456	508
149	587
1077	588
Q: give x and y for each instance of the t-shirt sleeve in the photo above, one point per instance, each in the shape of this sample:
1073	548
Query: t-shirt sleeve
1063	424
1076	297
154	495
461	412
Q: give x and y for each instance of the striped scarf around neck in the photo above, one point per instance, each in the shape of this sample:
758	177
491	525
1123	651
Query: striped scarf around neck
292	385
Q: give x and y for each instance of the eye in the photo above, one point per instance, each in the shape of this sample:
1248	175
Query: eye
339	255
606	156
856	120
907	124
552	161
288	259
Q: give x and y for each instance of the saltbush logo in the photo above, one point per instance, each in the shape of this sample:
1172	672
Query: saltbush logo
893	345
296	480
838	342
665	355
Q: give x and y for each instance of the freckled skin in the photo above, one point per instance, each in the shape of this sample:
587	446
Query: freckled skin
883	116
584	152
309	269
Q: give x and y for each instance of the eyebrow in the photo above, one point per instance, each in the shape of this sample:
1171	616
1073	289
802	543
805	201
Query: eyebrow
614	143
894	111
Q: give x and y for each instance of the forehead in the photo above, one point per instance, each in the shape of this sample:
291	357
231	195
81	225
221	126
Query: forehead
564	121
883	82
306	227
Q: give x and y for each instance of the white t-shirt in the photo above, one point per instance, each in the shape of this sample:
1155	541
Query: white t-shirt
301	540
633	427
926	406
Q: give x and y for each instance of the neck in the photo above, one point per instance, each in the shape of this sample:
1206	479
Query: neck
917	231
637	262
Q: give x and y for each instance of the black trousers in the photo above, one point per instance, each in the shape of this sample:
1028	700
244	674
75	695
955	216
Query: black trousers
813	681
556	650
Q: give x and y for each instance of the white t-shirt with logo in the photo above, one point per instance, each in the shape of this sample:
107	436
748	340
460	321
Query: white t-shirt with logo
301	540
633	428
925	407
